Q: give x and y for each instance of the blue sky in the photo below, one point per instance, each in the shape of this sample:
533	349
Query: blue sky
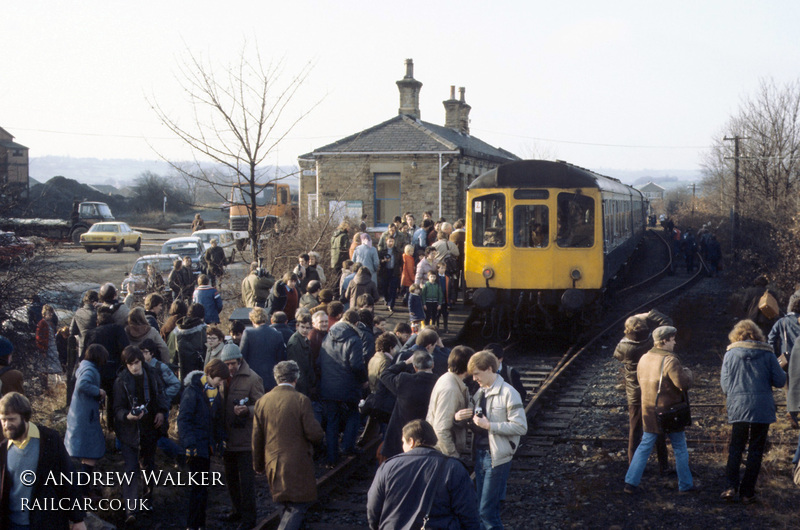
626	85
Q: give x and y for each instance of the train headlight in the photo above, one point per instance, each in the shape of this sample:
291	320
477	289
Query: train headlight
575	274
488	273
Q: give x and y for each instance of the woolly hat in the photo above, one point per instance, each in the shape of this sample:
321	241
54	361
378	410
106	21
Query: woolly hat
6	348
661	334
230	352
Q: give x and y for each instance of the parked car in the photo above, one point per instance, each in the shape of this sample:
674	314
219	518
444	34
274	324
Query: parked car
136	279
65	298
186	246
13	248
111	235
225	240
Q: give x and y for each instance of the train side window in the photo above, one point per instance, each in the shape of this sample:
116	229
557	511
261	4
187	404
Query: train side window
575	221
489	221
531	226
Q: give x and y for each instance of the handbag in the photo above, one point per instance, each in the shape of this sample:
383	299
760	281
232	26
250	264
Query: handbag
674	418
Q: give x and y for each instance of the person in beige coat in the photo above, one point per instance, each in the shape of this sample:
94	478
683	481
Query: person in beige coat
139	329
450	395
675	381
284	433
239	396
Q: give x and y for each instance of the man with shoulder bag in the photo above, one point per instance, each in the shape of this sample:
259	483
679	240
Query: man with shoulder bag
664	382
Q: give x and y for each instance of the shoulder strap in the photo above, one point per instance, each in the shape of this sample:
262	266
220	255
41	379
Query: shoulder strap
661	377
435	487
685	394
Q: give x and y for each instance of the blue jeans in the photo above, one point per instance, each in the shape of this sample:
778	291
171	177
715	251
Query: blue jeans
336	412
490	483
678	441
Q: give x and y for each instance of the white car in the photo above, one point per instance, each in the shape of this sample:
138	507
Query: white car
225	240
186	246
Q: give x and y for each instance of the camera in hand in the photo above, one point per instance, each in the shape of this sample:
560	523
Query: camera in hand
479	411
139	409
242	402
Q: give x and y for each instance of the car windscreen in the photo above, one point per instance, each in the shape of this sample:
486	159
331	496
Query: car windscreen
103	227
183	249
104	210
206	238
164	265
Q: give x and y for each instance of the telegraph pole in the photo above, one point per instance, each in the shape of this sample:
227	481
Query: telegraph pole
736	139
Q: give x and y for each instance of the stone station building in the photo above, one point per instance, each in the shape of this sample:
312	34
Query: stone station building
402	164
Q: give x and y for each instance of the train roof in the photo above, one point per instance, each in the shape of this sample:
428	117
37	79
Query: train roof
543	174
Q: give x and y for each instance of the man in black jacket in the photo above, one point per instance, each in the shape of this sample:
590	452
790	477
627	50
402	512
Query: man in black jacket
422	483
343	374
35	449
113	338
411	382
138	429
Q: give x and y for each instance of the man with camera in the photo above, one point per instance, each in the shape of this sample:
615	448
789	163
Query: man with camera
139	409
256	286
498	421
239	395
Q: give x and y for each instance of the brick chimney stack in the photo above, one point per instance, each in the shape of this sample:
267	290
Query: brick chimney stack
409	92
463	112
451	110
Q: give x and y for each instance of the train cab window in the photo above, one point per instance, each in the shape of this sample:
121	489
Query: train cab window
531	226
575	221
489	221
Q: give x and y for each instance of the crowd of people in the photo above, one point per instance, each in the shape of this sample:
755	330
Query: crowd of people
314	373
656	384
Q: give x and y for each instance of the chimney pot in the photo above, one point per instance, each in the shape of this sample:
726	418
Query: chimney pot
409	69
461	91
452	92
409	92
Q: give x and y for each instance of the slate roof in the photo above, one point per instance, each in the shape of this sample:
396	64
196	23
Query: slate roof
11	145
403	133
651	187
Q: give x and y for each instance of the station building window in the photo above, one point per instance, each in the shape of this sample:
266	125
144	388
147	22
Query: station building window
489	221
387	197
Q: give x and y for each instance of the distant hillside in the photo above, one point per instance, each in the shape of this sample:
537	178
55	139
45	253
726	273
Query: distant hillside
667	178
117	172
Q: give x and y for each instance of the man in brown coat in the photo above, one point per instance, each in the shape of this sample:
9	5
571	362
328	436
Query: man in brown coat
240	394
284	432
660	367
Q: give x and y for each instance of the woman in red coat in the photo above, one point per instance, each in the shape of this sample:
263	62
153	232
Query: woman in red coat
409	270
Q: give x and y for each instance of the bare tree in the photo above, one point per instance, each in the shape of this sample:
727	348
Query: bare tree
241	114
768	127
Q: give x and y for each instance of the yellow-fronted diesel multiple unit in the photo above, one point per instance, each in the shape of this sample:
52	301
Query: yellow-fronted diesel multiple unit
544	238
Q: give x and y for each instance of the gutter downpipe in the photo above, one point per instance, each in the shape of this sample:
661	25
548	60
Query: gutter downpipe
441	167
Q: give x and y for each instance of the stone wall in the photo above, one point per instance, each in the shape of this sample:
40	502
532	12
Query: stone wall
351	178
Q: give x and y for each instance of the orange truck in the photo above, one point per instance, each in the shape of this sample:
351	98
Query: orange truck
273	202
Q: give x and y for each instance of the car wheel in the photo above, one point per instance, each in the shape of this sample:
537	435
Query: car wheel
108	249
138	245
121	246
76	235
89	249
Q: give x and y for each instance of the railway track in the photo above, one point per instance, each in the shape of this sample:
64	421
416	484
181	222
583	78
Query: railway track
555	379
